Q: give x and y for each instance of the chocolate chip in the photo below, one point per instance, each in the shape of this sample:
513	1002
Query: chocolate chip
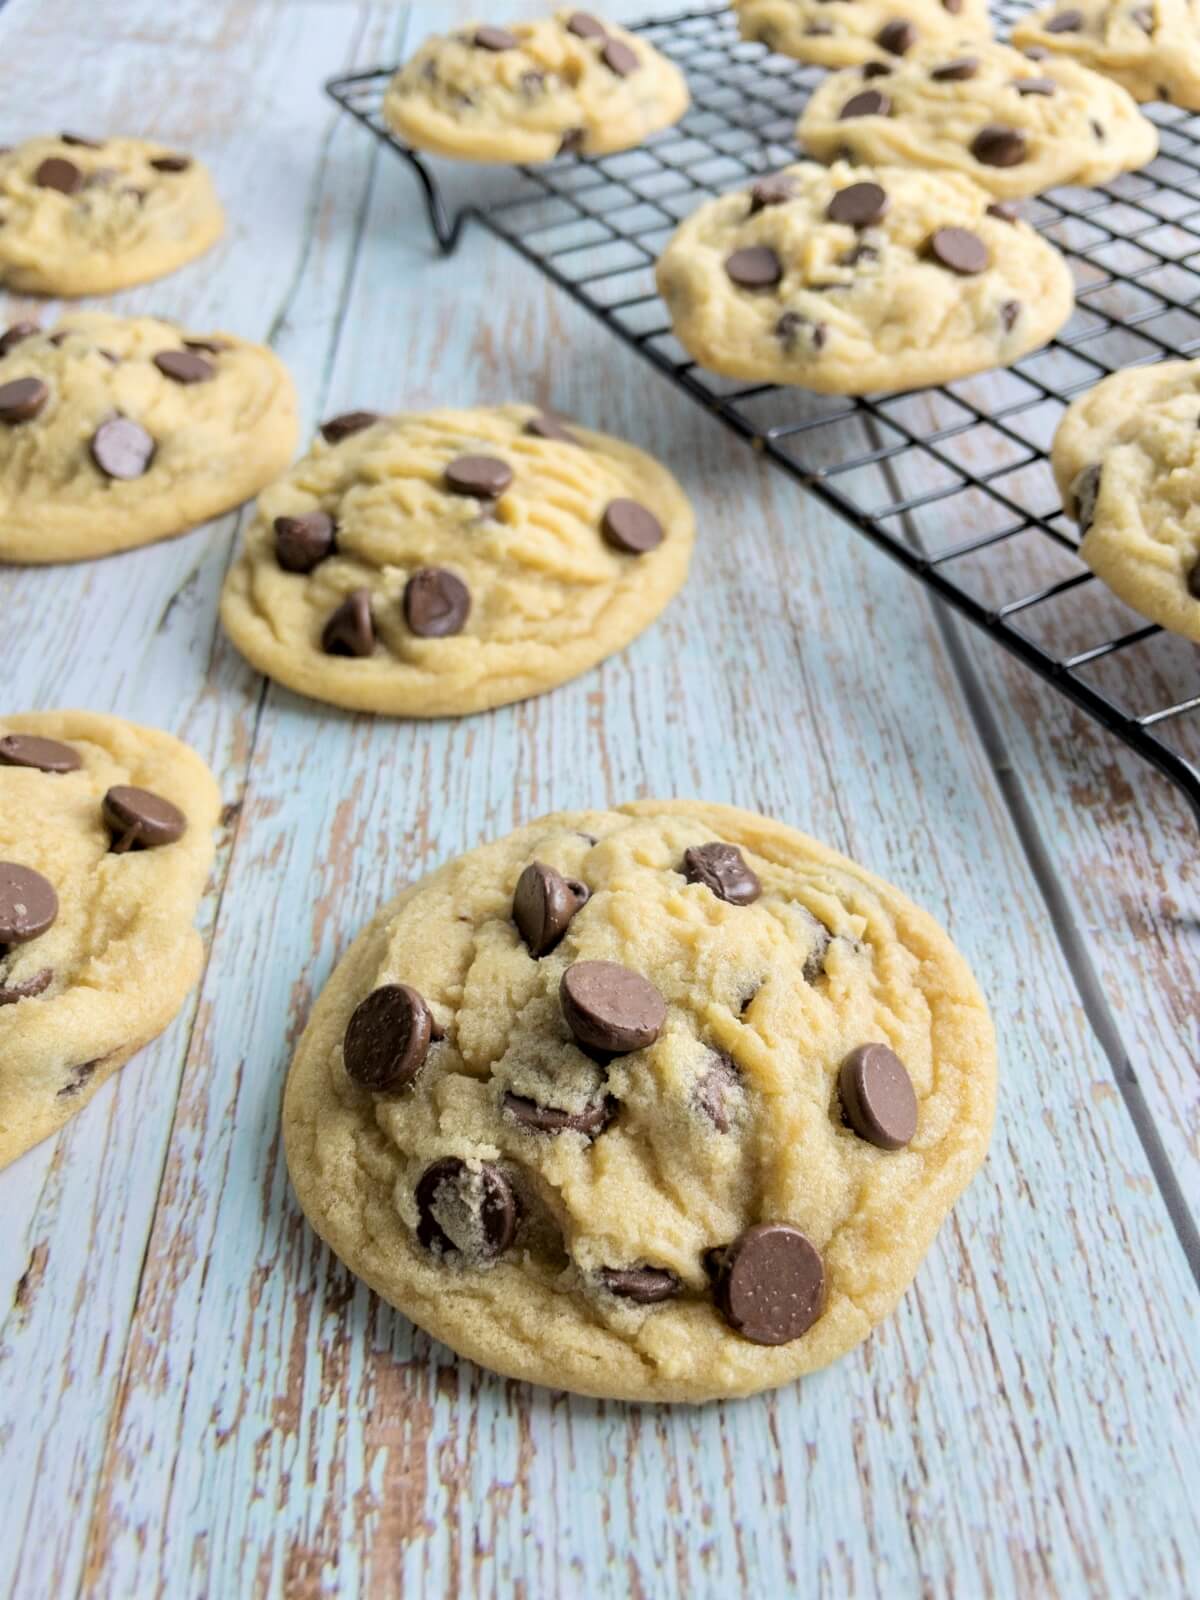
184	366
496	39
1005	210
771	191
876	69
999	147
584	26
1035	86
122	448
341	427
756	267
1036	52
15	334
861	205
723	869
1098	130
618	57
960	250
547	426
544	904
484	477
645	1286
350	631
610	1008
952	6
1085	491
22	400
957	71
1065	22
897	37
387	1039
302	543
792	324
631	527
591	1121
45	755
27	989
856	253
819	30
770	1283
715	1089
814	961
1009	312
28	903
473	1211
572	141
84	144
1193	582
436	603
138	819
533	83
868	103
209	347
80	1076
58	173
877	1095
170	163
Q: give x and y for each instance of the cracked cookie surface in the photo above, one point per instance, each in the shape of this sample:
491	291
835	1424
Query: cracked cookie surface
1150	47
117	431
849	279
81	216
105	846
848	33
663	1102
440	563
572	81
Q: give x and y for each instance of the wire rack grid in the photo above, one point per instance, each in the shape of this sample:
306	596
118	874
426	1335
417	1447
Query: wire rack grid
954	482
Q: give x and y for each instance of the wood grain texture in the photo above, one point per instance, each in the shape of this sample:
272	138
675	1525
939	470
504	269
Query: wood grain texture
196	1400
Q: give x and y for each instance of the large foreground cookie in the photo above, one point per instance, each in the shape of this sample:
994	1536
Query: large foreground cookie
664	1103
81	216
105	845
848	280
1017	127
525	93
116	431
847	33
1127	460
428	565
1151	47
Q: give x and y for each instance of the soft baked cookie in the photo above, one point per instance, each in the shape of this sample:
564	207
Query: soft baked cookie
849	279
1015	126
527	92
1126	457
87	216
116	431
105	845
662	1103
847	33
1150	47
429	565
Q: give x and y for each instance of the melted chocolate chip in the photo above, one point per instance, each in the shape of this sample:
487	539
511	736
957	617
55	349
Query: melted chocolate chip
645	1286
544	904
610	1008
22	399
341	427
592	1120
715	1090
27	989
122	448
387	1039
15	334
877	1097
81	1075
184	366
630	527
302	543
44	755
437	603
350	630
755	267
138	819
722	868
770	1283
472	1211
28	903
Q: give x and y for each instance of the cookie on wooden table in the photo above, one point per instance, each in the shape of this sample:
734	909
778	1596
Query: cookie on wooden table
526	92
105	845
1017	127
88	216
1126	458
849	280
665	1102
435	564
117	431
849	33
1150	47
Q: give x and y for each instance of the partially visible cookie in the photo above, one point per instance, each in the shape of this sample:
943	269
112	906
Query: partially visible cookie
1127	461
1150	47
88	216
847	33
850	279
435	564
530	90
665	1102
105	845
116	431
1017	127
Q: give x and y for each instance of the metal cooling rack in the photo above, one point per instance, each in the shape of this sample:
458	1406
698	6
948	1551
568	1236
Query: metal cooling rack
953	482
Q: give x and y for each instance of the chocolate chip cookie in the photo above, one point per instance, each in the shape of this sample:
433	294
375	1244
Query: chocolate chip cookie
105	845
665	1102
1127	461
1017	127
116	431
1150	47
849	279
430	565
849	33
528	91
88	216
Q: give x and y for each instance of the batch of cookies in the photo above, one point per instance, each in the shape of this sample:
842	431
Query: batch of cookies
665	1101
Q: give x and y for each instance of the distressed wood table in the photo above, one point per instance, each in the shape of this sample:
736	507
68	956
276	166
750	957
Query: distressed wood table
195	1400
